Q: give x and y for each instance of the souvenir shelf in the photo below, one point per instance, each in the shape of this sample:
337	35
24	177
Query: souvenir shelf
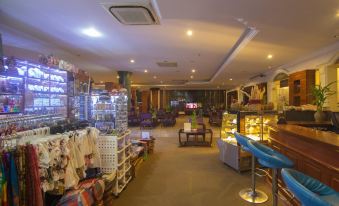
104	113
252	124
44	90
11	95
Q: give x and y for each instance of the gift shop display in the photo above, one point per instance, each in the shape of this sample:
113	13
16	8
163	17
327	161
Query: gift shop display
32	88
11	94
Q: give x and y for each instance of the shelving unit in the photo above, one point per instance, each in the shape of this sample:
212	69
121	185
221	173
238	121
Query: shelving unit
11	95
115	154
109	112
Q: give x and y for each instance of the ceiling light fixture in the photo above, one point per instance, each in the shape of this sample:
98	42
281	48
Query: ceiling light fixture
118	76
269	56
91	32
189	32
193	70
154	77
131	61
231	79
145	70
192	76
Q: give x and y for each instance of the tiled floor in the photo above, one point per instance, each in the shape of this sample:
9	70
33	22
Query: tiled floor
189	176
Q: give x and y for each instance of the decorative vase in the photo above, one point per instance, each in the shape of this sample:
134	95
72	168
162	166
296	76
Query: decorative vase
319	116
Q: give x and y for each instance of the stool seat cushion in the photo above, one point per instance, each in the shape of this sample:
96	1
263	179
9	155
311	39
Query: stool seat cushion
242	140
308	190
269	157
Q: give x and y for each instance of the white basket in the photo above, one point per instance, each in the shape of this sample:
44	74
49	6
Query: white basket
107	147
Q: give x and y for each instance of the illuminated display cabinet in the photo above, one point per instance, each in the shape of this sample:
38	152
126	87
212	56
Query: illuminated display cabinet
253	125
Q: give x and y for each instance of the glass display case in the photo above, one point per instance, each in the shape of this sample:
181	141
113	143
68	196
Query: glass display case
228	127
42	90
252	124
104	113
256	126
11	94
110	111
46	90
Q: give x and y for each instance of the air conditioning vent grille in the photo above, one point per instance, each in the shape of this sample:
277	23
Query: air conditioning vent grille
167	64
133	15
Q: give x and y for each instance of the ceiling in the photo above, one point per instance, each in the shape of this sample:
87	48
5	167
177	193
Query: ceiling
288	29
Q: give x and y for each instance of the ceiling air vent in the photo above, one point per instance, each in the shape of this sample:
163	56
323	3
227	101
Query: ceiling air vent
167	64
179	81
134	12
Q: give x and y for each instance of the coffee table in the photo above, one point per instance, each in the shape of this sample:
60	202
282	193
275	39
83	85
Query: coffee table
195	134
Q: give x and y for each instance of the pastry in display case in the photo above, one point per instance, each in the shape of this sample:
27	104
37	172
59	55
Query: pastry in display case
228	127
253	125
256	126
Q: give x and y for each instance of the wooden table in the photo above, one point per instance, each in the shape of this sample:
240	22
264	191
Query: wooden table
196	134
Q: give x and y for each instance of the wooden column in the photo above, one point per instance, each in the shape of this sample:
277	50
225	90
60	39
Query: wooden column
155	97
145	97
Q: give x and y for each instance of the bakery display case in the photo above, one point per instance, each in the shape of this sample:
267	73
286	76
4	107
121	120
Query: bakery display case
252	124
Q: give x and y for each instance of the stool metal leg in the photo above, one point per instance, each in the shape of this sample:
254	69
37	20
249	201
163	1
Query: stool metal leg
251	194
275	187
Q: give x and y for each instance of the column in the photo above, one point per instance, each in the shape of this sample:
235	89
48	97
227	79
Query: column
125	81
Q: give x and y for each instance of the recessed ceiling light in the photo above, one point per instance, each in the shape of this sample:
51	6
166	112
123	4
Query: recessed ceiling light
101	82
154	77
192	76
145	70
118	76
91	32
131	61
269	56
231	79
193	70
189	32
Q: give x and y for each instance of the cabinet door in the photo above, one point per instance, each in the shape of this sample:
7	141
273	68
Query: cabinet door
311	169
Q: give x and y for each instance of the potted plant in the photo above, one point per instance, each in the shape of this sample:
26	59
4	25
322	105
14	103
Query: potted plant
321	94
194	123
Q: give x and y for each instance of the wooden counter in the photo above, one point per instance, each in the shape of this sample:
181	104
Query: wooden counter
315	153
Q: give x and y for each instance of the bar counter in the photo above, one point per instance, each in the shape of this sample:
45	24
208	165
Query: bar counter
314	152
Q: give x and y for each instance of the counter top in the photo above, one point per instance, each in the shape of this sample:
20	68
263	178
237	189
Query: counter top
324	137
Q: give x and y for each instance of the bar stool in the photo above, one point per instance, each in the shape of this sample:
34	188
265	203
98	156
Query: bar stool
271	159
308	190
250	194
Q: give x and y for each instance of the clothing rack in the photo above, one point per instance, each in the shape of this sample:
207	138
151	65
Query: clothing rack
13	124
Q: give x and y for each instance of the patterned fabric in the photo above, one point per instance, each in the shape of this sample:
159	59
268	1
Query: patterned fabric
80	197
33	191
96	187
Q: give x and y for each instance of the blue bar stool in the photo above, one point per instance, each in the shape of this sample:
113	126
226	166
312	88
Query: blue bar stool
250	194
271	159
308	190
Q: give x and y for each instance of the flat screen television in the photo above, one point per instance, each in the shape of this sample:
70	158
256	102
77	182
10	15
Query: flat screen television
191	105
